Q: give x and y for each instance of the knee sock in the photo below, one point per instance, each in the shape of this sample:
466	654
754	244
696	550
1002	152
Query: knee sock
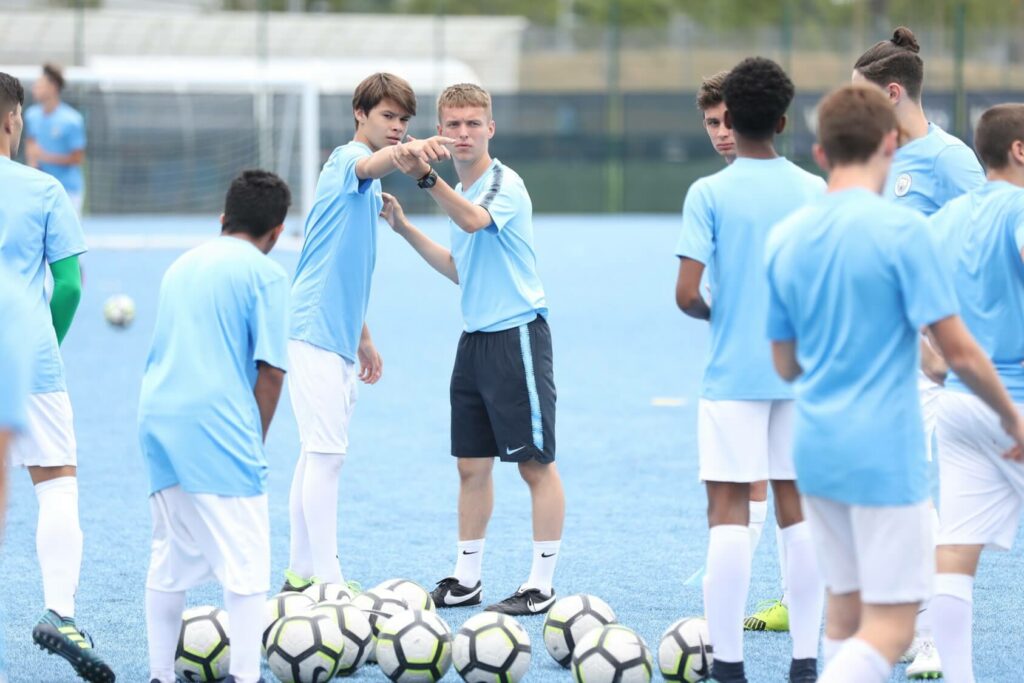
856	662
245	624
542	571
469	561
829	648
780	549
953	622
163	626
320	506
807	595
758	514
300	556
59	543
726	585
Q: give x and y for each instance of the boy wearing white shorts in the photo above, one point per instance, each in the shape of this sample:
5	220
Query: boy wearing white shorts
745	413
981	236
210	389
330	295
853	279
38	227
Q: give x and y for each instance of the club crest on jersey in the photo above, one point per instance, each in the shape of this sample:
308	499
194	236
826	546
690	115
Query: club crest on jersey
902	185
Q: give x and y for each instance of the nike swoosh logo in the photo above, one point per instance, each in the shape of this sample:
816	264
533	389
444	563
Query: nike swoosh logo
450	599
466	552
539	606
513	451
545	554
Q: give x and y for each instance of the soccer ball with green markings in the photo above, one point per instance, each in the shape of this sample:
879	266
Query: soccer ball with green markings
491	648
414	594
612	654
570	619
204	651
379	605
415	646
283	605
326	592
355	629
119	310
305	648
684	654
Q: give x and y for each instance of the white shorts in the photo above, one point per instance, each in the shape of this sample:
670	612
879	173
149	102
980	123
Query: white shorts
322	386
929	393
745	441
200	537
980	493
49	440
887	552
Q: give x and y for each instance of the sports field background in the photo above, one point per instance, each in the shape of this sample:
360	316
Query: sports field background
635	526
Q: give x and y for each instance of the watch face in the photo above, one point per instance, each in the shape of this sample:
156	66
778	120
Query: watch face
429	181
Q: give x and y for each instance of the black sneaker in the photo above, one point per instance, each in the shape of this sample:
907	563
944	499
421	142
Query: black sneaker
58	635
524	602
803	670
451	593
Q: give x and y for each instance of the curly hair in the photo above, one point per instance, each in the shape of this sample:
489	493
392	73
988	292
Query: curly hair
757	93
256	203
894	61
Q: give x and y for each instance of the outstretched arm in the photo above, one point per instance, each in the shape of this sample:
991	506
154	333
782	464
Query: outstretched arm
67	292
382	162
439	258
468	216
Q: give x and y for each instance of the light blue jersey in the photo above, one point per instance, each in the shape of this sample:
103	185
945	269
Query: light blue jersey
497	265
62	131
853	279
17	352
929	171
980	236
223	307
38	226
331	289
726	219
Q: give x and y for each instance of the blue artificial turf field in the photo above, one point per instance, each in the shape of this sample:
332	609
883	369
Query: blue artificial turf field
635	527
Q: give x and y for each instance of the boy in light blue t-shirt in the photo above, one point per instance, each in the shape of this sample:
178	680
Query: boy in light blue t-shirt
981	238
853	280
55	135
210	389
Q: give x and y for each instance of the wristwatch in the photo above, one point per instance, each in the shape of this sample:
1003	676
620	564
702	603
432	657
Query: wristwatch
428	181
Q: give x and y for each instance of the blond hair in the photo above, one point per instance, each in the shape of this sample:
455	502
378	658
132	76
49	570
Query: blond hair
463	95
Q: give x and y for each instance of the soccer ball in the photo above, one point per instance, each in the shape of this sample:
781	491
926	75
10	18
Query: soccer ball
305	648
414	646
416	595
355	629
491	647
684	653
119	310
324	592
612	654
570	619
283	605
204	651
379	605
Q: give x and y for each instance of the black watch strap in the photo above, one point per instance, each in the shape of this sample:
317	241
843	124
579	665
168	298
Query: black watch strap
428	181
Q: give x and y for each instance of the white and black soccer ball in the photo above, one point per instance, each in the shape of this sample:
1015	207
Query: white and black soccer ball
305	648
119	310
491	648
685	653
379	605
414	646
570	619
612	654
204	651
283	605
355	630
324	592
414	594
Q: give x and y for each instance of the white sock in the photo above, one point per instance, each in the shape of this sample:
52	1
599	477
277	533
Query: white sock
780	549
469	561
758	514
59	543
726	584
163	626
923	624
542	571
951	610
856	662
245	626
807	597
829	647
300	556
320	506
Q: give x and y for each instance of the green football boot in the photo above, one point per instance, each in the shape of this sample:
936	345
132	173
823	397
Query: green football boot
59	635
771	615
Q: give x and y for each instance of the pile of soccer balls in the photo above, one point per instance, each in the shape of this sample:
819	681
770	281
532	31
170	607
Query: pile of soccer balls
326	631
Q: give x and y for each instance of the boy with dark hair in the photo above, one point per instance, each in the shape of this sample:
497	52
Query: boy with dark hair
981	237
745	413
55	134
209	392
38	226
712	107
852	280
330	295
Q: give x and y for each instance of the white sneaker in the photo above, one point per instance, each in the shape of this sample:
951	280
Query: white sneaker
926	663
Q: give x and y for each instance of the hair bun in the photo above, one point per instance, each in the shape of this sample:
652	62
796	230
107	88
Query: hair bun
903	37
